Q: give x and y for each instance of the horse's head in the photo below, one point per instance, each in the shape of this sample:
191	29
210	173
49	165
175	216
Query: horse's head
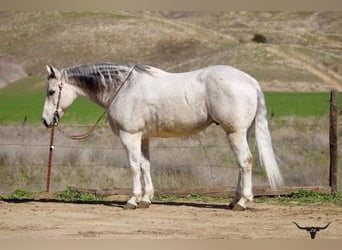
59	96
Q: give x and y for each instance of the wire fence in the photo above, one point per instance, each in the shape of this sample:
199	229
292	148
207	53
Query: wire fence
205	159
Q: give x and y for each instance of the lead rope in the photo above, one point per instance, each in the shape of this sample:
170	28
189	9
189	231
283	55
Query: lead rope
91	130
52	135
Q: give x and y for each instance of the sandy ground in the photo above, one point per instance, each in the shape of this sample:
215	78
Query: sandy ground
176	220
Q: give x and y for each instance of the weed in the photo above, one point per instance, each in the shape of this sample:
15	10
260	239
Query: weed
19	194
165	197
306	197
198	197
301	197
70	195
262	199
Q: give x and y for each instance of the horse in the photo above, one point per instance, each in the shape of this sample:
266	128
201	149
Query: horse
142	102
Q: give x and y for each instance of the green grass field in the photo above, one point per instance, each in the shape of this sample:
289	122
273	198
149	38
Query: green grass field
24	99
301	104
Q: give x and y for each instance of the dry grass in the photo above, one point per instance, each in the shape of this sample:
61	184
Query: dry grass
301	146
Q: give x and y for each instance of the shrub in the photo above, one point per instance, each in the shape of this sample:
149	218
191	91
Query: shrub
259	38
70	195
19	194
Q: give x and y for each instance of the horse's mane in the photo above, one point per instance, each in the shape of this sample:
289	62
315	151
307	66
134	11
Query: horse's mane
105	73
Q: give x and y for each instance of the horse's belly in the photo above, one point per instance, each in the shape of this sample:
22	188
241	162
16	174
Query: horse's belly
167	130
179	124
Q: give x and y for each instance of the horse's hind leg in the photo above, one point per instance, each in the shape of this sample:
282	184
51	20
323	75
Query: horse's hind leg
238	142
145	167
132	144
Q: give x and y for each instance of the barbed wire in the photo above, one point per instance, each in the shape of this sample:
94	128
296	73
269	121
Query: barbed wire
151	147
126	166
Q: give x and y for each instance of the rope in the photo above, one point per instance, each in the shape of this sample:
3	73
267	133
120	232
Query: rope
89	132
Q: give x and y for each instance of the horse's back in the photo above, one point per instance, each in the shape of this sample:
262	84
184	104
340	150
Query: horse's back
224	93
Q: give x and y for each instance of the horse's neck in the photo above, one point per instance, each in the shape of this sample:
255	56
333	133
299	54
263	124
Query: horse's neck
101	92
101	95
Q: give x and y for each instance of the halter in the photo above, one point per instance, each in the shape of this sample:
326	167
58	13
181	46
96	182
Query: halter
55	114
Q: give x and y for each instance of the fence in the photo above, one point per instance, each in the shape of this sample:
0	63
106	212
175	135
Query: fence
196	163
333	134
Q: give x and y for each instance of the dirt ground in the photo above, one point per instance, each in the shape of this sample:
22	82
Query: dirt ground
172	220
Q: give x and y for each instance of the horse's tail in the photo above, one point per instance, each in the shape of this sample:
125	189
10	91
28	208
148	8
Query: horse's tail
263	138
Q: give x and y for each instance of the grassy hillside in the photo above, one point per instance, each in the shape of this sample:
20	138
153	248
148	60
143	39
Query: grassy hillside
302	50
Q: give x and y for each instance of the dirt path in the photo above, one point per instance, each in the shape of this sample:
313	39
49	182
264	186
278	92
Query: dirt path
165	220
316	68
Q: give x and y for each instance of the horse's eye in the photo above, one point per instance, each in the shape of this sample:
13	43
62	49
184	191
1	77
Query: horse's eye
51	92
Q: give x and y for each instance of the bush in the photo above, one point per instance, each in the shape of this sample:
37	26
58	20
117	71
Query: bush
305	197
70	195
259	38
19	194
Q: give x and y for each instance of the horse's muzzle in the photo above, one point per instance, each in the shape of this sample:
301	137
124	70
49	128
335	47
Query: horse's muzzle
48	125
54	122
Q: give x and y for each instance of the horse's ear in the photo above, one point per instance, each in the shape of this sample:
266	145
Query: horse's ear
53	72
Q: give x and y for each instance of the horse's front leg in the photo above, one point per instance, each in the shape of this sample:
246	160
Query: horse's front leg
132	144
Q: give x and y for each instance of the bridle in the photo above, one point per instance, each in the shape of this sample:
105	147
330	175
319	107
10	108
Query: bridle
56	114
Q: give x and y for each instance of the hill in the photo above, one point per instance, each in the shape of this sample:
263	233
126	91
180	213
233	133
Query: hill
302	51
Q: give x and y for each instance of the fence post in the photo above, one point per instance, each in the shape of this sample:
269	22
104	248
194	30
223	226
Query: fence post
48	176
333	178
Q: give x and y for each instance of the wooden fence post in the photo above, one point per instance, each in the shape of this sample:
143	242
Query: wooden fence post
333	178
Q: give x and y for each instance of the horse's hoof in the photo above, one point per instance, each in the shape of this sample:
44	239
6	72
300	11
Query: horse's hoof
238	207
130	206
232	204
144	204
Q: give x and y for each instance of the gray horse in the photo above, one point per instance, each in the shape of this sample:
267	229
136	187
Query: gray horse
143	102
